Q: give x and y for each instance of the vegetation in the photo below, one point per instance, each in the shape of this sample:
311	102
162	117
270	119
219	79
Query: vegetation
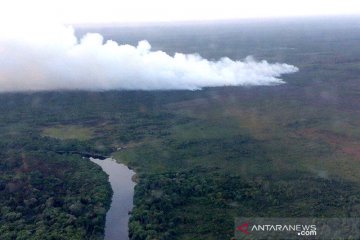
68	132
204	202
47	196
202	157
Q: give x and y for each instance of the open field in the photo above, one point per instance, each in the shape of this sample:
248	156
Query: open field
64	132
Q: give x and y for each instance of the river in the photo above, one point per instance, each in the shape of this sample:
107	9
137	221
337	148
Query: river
117	218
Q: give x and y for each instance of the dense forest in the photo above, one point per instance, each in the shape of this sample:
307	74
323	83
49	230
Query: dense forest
49	196
202	157
191	169
199	202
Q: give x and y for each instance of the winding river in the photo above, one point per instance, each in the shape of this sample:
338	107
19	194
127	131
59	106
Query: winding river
117	218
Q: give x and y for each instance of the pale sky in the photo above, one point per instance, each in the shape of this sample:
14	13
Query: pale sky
124	11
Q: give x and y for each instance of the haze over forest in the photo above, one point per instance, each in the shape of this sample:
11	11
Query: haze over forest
272	129
52	58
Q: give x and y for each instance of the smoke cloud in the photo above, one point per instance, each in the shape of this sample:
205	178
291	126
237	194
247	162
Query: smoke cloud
39	59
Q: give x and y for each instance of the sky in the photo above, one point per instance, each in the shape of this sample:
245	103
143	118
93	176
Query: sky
128	11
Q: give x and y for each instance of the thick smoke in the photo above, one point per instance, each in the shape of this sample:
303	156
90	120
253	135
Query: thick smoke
54	59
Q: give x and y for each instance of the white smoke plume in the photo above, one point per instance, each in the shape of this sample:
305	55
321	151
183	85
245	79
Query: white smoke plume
39	59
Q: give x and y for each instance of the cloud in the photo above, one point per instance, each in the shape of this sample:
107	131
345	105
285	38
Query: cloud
52	58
